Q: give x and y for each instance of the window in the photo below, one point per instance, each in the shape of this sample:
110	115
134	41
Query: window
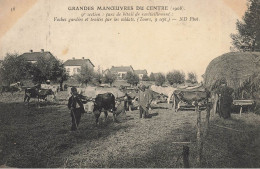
74	70
68	69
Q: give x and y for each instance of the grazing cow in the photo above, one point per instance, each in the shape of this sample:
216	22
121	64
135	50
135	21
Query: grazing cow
35	92
189	96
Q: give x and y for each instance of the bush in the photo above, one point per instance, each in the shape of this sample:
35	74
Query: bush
176	76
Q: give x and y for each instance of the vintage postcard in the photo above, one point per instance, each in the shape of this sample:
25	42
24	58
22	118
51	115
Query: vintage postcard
158	65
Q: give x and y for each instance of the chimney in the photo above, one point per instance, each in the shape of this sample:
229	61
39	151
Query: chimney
83	58
42	50
31	51
73	58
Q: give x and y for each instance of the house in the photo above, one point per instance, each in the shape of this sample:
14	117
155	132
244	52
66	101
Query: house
121	71
33	56
105	72
73	66
141	73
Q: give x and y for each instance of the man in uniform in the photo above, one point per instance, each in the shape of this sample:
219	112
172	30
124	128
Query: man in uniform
145	99
225	100
76	108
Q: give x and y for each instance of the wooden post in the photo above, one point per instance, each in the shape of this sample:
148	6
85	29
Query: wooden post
199	141
174	103
215	104
186	157
240	111
207	120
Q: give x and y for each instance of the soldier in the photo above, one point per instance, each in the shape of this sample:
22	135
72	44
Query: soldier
145	99
76	107
225	101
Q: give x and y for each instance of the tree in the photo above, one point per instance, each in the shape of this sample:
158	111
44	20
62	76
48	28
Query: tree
14	69
132	78
192	77
145	78
98	77
109	78
248	36
160	79
176	76
86	75
48	69
152	77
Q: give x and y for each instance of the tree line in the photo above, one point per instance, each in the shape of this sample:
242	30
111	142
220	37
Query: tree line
15	68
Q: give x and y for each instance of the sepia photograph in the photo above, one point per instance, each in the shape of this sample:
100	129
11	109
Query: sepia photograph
129	84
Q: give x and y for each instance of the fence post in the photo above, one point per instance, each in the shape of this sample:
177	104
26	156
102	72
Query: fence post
199	141
186	150
207	121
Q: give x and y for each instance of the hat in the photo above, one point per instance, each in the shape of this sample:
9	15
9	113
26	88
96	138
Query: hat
73	89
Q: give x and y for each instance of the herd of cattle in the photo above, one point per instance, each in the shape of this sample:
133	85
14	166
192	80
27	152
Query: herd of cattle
178	96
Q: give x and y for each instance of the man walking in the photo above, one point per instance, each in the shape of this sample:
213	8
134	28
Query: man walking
76	108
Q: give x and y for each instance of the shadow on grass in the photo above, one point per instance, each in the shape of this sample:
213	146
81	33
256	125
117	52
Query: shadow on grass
223	148
36	137
232	143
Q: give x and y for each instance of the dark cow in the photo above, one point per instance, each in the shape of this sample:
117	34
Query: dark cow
189	97
104	102
35	92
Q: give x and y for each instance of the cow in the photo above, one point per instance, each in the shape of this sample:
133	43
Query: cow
36	92
189	97
103	103
14	87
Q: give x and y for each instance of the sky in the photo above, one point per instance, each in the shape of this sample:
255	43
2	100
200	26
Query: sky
158	47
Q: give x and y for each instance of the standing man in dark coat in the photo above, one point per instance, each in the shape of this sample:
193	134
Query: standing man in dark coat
225	101
76	108
145	99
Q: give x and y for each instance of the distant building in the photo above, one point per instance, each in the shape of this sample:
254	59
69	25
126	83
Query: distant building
141	73
121	71
105	72
73	66
33	56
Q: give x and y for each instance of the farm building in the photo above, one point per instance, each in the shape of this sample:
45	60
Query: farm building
235	68
33	56
141	73
73	66
105	72
121	71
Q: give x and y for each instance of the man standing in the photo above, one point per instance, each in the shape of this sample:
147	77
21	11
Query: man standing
225	101
145	99
76	108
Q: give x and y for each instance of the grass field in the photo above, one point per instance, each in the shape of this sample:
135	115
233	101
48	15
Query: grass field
41	137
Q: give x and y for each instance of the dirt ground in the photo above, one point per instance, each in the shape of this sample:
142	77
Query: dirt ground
40	137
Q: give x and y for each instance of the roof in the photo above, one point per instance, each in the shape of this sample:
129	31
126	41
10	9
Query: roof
141	71
32	56
77	62
121	69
